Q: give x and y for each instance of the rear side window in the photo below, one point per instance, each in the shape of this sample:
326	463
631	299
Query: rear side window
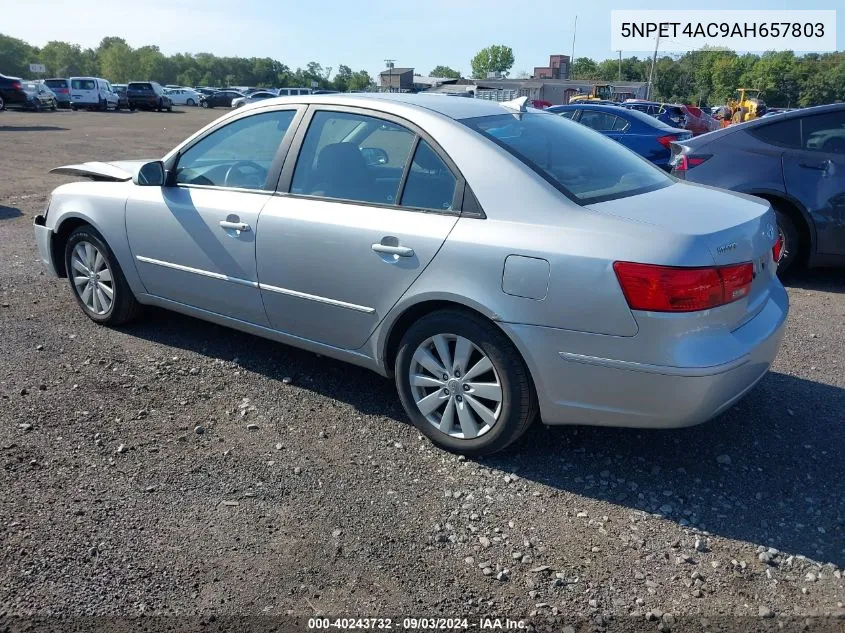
782	133
824	132
601	121
83	84
56	83
352	157
567	114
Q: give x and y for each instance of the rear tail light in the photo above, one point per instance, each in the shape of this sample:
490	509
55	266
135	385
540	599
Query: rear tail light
665	141
16	85
685	162
672	289
777	249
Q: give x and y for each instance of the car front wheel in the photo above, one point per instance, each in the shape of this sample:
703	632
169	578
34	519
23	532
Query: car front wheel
191	102
97	280
463	383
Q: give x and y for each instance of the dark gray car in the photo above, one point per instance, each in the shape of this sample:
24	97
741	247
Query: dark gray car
796	161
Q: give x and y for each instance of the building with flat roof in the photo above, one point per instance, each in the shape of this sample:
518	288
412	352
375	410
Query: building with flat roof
558	68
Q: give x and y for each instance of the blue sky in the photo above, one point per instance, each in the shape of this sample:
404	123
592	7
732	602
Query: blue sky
358	34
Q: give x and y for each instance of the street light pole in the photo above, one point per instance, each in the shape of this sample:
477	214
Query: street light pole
619	78
389	63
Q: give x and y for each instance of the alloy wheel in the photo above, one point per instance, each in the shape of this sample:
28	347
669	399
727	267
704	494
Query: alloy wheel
92	278
455	386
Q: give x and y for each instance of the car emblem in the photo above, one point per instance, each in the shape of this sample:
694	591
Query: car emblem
724	248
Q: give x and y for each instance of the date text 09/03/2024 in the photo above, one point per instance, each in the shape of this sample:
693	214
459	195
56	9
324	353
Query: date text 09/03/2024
415	624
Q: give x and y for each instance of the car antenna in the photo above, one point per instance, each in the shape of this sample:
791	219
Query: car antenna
517	104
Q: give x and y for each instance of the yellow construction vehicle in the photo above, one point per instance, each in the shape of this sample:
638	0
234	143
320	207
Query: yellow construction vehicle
746	105
600	92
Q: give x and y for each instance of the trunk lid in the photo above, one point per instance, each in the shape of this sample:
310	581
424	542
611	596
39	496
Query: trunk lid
734	228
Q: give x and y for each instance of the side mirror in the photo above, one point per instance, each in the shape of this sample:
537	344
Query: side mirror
150	175
374	156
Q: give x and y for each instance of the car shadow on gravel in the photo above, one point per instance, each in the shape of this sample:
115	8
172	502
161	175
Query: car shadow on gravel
769	471
820	279
32	128
7	213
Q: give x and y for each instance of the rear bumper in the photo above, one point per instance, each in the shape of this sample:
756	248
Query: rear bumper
584	389
44	240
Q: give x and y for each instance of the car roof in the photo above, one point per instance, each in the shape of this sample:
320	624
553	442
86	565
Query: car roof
453	108
750	125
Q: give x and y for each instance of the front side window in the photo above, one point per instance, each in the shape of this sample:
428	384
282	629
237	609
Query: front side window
568	114
352	157
585	166
236	155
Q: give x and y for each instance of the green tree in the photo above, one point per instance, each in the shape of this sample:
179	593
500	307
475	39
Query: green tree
16	56
445	71
342	78
117	60
496	58
63	59
360	81
584	68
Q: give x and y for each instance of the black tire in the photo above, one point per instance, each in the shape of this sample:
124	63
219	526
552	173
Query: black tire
124	306
2	104
170	107
519	401
190	102
73	108
792	249
54	106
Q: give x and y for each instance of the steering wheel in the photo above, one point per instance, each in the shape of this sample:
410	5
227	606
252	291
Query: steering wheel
238	167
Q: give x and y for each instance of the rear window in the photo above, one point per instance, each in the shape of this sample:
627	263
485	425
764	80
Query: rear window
83	84
584	165
141	86
56	83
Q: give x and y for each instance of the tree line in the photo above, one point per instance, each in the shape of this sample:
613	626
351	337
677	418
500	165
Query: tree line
706	77
118	62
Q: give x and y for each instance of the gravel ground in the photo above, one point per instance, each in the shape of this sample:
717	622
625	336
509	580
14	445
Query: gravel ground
175	467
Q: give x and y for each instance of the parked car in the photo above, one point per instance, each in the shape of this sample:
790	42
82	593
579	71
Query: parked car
220	99
61	88
795	161
449	244
147	95
39	96
12	92
639	132
252	98
205	91
121	90
687	117
92	93
183	96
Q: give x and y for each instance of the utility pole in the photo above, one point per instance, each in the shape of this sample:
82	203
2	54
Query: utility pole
619	78
389	64
574	31
651	73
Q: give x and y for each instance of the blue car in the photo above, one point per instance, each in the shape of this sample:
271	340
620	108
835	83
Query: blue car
637	131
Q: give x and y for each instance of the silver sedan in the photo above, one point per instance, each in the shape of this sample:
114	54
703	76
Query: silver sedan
499	262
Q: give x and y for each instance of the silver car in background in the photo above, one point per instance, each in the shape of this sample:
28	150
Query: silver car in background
499	262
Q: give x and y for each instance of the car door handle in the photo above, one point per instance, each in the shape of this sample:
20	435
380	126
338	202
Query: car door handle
822	166
400	251
237	226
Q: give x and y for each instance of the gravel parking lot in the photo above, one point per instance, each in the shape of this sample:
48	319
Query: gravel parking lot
175	467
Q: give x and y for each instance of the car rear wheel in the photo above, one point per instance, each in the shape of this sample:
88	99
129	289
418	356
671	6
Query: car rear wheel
2	104
54	105
97	280
791	248
463	383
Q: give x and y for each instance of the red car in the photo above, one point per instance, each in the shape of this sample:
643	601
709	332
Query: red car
688	117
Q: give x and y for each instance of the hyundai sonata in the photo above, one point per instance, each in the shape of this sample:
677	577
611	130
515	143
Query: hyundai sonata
498	261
